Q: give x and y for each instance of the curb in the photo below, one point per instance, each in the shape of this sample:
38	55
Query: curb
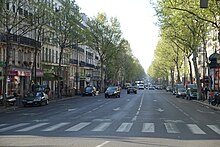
208	105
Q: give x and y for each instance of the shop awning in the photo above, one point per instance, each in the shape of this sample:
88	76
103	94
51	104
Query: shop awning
19	72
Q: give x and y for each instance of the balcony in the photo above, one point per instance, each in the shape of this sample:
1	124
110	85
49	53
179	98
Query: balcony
81	63
21	40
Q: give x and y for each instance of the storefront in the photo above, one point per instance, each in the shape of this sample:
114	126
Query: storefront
19	80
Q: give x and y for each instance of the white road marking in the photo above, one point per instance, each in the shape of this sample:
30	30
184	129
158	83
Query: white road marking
195	129
117	109
125	127
102	120
13	127
54	127
214	128
171	128
160	110
104	143
148	127
32	127
134	118
101	127
72	109
1	125
78	126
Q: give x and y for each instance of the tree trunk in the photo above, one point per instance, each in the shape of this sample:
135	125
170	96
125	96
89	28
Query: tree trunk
102	86
190	71
199	88
5	68
59	71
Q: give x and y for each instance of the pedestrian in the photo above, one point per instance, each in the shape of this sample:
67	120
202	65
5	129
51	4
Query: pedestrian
206	93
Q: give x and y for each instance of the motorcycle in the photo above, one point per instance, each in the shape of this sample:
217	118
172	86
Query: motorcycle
10	100
215	100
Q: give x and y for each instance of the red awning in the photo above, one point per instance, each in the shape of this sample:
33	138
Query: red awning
19	72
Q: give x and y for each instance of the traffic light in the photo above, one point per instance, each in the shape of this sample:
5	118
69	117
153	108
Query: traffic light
203	3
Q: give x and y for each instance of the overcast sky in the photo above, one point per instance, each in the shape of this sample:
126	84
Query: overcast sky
137	23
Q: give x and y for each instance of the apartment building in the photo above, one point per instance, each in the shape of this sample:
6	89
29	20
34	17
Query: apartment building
79	64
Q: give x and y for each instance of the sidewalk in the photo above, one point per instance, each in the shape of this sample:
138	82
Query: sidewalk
206	103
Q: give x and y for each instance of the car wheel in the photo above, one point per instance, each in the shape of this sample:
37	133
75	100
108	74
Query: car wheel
106	96
128	92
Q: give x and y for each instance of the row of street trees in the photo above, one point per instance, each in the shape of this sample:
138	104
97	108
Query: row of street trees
63	24
184	28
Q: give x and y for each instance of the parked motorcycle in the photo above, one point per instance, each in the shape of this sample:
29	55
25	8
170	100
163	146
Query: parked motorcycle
215	100
10	100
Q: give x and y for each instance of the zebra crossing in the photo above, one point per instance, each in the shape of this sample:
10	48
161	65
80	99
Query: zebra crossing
170	128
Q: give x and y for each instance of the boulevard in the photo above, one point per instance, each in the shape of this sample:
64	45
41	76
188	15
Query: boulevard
148	118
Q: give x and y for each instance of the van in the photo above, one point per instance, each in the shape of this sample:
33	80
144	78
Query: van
176	87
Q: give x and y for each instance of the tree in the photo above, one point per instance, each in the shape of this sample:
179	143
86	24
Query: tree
104	36
67	23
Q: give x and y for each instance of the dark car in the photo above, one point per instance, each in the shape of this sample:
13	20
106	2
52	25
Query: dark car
132	89
112	91
38	98
191	93
89	90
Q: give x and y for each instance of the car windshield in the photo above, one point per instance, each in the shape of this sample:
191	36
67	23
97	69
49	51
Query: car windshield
182	90
111	88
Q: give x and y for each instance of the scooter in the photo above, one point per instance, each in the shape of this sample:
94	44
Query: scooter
10	100
215	100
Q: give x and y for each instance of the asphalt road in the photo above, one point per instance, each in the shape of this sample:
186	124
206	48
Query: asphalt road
148	118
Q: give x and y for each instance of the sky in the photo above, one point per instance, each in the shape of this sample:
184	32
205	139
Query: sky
137	19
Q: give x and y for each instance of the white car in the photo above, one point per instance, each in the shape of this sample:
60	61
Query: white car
141	86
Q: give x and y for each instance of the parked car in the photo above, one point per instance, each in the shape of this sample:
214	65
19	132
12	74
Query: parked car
176	87
169	88
112	91
37	98
191	93
181	92
151	88
89	90
132	89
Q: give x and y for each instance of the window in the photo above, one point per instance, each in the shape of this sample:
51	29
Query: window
13	7
49	55
7	6
56	56
20	11
43	54
52	56
46	55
